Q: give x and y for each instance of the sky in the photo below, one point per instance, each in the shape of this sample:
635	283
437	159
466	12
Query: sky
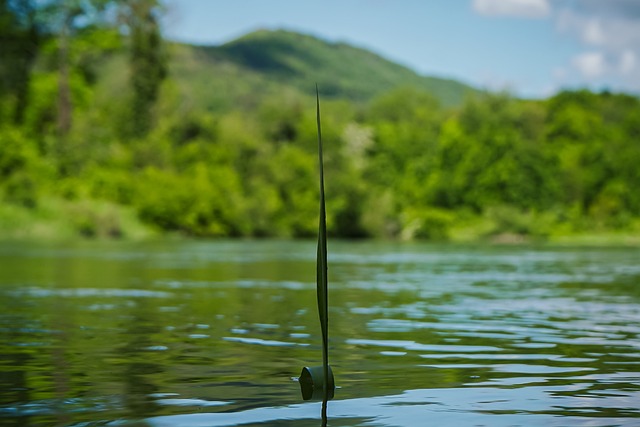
532	48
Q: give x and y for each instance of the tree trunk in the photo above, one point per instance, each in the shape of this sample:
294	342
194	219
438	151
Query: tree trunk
64	90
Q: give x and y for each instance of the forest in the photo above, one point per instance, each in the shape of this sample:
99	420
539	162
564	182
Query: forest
107	130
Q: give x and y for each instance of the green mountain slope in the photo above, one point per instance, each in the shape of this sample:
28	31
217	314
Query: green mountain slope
266	61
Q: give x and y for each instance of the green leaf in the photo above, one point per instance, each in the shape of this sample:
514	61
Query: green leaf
322	288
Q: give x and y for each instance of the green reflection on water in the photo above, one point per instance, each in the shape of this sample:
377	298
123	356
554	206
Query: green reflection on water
94	332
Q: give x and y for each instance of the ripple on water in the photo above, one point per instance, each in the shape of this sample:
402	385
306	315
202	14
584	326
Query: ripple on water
89	292
543	405
393	353
268	343
469	336
484	356
414	346
516	368
157	348
533	345
190	402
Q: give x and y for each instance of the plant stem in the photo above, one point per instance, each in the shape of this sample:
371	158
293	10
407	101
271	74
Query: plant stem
322	262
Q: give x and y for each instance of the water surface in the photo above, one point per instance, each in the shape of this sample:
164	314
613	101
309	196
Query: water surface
180	333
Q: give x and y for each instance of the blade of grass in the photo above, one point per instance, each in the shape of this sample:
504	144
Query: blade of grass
321	263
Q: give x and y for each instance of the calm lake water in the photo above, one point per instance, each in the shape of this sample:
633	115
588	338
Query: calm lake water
180	333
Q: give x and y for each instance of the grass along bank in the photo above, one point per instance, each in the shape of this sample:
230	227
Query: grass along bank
60	219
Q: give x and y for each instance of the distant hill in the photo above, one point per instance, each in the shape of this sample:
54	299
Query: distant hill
265	61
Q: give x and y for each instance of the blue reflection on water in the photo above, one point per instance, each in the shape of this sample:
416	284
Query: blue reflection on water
210	333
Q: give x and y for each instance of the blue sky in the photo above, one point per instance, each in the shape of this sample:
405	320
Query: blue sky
530	47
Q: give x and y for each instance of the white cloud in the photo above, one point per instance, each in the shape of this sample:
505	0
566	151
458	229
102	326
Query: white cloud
612	32
516	8
609	32
590	64
627	62
592	32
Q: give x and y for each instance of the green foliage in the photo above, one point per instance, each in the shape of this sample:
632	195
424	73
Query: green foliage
406	127
21	38
55	218
22	170
226	144
147	59
202	202
594	139
492	153
505	220
427	223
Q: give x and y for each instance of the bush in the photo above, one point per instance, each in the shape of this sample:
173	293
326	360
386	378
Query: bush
202	202
509	220
427	223
22	171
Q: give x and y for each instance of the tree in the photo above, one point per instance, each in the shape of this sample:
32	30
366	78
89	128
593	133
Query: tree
406	125
493	153
147	59
595	138
20	38
63	19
